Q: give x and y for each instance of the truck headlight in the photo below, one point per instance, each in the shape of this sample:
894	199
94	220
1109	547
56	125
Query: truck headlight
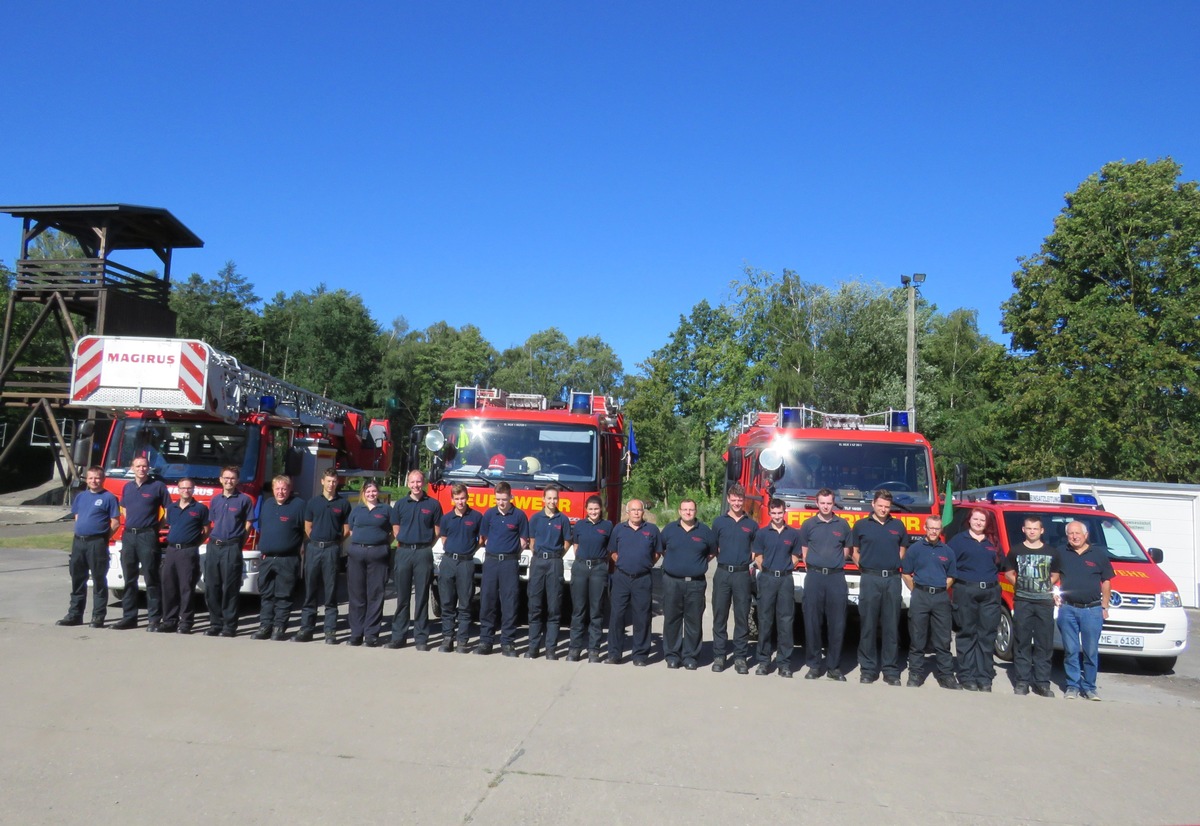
1170	599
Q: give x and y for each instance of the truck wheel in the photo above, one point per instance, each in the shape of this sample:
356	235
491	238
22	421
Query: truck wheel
752	621
1004	635
1157	665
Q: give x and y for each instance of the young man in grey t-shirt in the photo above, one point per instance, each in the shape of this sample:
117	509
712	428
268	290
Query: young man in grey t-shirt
1032	569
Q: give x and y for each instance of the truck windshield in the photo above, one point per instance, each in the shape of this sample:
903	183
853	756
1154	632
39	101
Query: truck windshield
178	450
812	464
520	451
1104	530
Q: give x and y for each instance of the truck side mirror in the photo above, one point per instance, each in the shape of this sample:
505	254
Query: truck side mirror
960	475
733	465
1157	555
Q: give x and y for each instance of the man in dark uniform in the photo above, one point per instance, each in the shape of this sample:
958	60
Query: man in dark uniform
877	544
928	570
280	540
589	580
231	512
549	531
687	546
187	528
505	533
416	518
635	547
1086	581
97	516
976	600
735	532
1032	568
326	520
824	544
145	503
776	552
459	530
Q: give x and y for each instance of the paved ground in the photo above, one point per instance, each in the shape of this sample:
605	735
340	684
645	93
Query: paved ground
126	727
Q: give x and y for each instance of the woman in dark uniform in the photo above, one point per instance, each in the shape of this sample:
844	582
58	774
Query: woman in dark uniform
367	565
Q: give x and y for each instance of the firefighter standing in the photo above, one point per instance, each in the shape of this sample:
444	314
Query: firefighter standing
145	502
735	532
505	533
456	573
687	545
976	602
280	540
589	580
325	519
824	541
635	547
878	546
549	531
97	515
416	519
187	527
776	552
231	512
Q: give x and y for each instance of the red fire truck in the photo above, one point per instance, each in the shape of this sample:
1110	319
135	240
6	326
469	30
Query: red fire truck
794	452
191	410
490	436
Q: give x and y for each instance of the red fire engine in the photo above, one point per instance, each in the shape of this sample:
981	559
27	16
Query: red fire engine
191	410
795	452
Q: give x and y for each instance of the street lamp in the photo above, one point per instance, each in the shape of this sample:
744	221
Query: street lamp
910	384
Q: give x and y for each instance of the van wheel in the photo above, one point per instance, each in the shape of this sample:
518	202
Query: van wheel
1157	665
115	595
435	601
1004	635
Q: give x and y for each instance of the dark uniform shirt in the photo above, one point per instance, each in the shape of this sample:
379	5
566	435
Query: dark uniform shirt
93	512
186	525
686	553
1081	574
460	533
734	539
592	538
929	564
141	503
826	541
878	543
636	548
1033	567
550	533
503	532
229	516
977	560
281	527
777	547
415	519
371	526
328	517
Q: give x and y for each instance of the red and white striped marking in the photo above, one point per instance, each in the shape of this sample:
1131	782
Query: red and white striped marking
87	367
192	363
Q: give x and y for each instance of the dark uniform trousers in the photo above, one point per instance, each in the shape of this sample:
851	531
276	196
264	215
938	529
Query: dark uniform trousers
413	576
879	619
366	576
1033	640
545	598
824	604
320	585
499	590
456	585
629	594
222	582
139	548
776	614
89	554
683	612
978	613
277	575
731	588
589	579
180	573
929	617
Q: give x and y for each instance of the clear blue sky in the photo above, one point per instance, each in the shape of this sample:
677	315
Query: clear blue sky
596	166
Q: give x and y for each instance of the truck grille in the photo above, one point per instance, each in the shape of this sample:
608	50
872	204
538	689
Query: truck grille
1134	627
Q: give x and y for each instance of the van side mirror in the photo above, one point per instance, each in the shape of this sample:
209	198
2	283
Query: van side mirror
1157	555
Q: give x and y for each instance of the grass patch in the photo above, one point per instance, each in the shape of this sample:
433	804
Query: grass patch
44	541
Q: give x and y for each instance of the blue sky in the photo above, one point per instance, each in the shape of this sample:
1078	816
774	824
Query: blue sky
595	166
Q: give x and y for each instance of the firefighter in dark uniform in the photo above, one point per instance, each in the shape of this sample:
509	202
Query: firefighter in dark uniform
878	546
459	530
976	599
231	512
735	532
635	547
187	529
505	533
688	546
280	541
145	503
589	580
367	565
326	519
776	552
824	545
549	532
416	518
928	569
97	515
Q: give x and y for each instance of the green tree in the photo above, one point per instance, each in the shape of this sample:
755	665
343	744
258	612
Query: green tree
220	311
1104	324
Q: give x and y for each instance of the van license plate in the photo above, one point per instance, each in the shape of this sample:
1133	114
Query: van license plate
1133	641
853	598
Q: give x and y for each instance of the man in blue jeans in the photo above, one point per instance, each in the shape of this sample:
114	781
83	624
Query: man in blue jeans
1086	583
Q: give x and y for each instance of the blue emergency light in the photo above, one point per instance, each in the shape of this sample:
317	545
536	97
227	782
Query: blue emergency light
1002	496
1086	499
266	404
791	417
465	398
900	421
581	402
